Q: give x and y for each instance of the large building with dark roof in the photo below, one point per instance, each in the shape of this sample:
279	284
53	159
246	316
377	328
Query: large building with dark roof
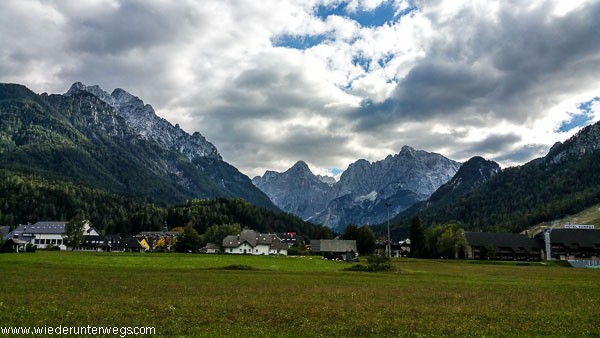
503	246
571	244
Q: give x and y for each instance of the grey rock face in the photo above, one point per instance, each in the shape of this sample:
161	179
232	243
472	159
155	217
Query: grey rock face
187	164
147	125
297	190
363	189
587	140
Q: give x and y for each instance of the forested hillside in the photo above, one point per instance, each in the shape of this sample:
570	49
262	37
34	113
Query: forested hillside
30	198
79	138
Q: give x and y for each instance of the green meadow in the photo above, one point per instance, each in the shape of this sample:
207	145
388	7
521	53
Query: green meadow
184	295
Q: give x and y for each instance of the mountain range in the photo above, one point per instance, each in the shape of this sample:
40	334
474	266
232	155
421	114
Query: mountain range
363	190
483	198
58	150
114	142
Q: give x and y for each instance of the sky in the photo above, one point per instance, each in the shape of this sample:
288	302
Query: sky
272	82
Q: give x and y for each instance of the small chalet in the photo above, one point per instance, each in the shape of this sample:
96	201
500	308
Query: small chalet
503	246
210	248
335	249
249	242
16	245
572	244
398	249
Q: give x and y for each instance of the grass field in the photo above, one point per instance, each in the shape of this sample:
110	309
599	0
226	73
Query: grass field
191	295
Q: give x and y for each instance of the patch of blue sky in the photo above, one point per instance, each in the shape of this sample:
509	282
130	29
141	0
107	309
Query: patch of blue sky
384	60
582	118
335	171
298	42
362	62
379	16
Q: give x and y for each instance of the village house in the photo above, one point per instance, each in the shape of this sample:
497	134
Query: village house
158	240
46	234
334	249
210	248
398	249
249	242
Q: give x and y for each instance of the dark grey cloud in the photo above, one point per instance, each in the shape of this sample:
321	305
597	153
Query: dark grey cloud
133	25
495	143
524	154
511	68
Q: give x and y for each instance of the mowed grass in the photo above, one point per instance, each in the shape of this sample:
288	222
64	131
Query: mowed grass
191	295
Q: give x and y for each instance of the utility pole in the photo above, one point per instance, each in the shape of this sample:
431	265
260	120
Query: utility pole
389	241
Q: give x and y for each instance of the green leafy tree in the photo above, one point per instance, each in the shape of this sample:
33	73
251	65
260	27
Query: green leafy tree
365	241
417	238
217	233
446	241
189	241
350	233
74	231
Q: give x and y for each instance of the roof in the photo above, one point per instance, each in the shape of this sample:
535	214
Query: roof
57	228
16	241
253	239
278	244
582	237
503	240
128	243
212	246
92	241
333	245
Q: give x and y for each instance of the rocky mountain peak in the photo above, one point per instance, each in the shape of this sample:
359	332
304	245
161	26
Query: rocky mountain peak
407	150
142	119
587	140
300	167
363	189
122	96
472	173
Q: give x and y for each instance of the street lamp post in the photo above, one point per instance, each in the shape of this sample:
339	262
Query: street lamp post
389	241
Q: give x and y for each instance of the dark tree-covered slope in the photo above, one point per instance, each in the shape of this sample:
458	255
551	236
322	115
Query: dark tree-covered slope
563	182
81	138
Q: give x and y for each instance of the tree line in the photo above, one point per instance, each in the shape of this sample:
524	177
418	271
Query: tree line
30	198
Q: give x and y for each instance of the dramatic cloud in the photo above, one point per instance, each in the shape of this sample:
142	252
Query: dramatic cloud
327	81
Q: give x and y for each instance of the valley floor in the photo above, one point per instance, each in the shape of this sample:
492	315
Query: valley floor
192	295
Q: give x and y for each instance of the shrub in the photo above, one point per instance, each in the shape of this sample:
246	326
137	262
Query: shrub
376	262
239	267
